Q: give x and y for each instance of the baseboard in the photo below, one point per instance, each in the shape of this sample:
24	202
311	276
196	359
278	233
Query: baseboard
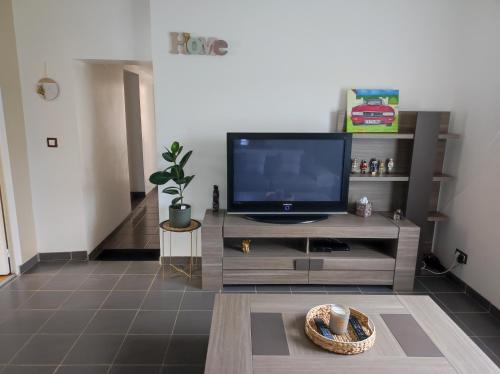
477	296
137	195
28	264
64	256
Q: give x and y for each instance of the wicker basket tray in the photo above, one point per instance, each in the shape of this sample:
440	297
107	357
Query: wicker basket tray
347	344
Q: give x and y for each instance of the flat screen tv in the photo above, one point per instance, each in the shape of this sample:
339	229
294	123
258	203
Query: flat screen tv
288	176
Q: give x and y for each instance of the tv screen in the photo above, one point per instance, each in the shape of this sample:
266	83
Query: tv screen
288	173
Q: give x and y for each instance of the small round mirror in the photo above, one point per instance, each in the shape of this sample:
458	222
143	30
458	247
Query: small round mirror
47	88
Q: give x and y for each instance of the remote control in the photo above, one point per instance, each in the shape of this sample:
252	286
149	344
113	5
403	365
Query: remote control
322	328
358	330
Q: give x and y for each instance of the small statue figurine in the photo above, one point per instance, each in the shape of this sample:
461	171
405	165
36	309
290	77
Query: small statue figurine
363	166
215	199
373	166
390	165
398	214
245	245
355	168
381	167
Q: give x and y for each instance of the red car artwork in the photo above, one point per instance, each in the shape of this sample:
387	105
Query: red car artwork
372	112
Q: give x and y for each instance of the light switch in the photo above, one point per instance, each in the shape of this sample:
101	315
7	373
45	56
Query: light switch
52	142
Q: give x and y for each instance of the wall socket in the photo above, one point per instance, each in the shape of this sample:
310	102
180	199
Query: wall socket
462	256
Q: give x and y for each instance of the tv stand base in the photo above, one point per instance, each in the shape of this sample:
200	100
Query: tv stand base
284	219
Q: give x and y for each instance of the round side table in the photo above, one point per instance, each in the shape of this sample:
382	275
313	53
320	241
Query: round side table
192	228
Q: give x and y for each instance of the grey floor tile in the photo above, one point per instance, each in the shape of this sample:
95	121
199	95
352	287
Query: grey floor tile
481	324
64	282
239	289
45	350
193	322
307	288
79	267
198	301
341	288
480	343
134	282
459	323
441	284
94	350
24	321
144	267
85	300
67	322
124	300
376	290
111	322
273	288
183	369
13	299
9	345
51	267
162	300
187	349
168	282
460	302
143	349
83	369
27	369
135	369
111	267
100	282
154	322
493	344
28	282
46	300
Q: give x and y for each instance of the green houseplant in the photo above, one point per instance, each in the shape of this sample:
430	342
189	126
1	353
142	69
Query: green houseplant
179	213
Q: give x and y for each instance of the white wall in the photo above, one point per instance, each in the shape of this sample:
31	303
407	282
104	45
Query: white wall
134	131
59	32
103	141
472	200
23	241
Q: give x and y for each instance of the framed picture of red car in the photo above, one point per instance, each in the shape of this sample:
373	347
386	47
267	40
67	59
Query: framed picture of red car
372	110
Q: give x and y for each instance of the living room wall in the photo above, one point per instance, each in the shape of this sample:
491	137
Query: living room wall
289	64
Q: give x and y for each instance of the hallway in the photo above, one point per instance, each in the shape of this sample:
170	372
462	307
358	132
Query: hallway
137	238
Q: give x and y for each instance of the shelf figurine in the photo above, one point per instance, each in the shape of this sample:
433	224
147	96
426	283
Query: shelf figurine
364	207
245	245
215	199
398	214
373	166
390	165
363	166
355	167
381	167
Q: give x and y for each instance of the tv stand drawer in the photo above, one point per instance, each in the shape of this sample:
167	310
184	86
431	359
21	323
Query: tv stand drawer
265	276
265	263
375	277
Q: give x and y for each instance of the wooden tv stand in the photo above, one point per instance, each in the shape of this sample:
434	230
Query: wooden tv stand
383	252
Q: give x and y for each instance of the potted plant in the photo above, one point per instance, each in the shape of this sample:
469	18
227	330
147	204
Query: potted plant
179	213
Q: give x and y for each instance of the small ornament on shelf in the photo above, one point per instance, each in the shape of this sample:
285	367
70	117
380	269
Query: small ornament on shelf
373	166
364	207
363	166
245	245
398	214
355	166
215	199
381	167
390	165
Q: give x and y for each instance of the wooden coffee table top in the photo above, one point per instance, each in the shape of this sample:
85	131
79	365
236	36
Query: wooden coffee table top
264	334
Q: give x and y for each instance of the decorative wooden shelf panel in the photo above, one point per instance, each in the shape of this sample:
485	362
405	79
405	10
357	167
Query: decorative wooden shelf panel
400	135
379	178
436	217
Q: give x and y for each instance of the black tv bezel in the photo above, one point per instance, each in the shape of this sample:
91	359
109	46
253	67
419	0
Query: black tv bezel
296	207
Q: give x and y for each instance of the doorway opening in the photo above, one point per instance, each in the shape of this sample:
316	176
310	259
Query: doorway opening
119	149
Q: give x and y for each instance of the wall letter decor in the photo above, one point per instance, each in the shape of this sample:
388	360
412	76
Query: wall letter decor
185	44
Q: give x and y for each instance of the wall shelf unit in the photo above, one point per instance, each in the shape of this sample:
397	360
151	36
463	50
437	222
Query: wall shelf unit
418	150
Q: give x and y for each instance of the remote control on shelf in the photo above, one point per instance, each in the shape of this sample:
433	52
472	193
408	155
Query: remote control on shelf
358	330
322	328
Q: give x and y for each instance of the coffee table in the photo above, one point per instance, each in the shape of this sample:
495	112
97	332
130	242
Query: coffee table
264	334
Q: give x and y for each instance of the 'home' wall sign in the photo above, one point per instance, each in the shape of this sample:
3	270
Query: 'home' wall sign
183	42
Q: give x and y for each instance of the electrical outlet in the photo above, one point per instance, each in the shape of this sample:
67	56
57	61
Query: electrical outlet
462	256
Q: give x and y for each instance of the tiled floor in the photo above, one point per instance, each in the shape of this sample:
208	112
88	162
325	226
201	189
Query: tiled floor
137	317
139	232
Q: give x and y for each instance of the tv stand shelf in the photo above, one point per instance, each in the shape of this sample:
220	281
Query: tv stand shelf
382	252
